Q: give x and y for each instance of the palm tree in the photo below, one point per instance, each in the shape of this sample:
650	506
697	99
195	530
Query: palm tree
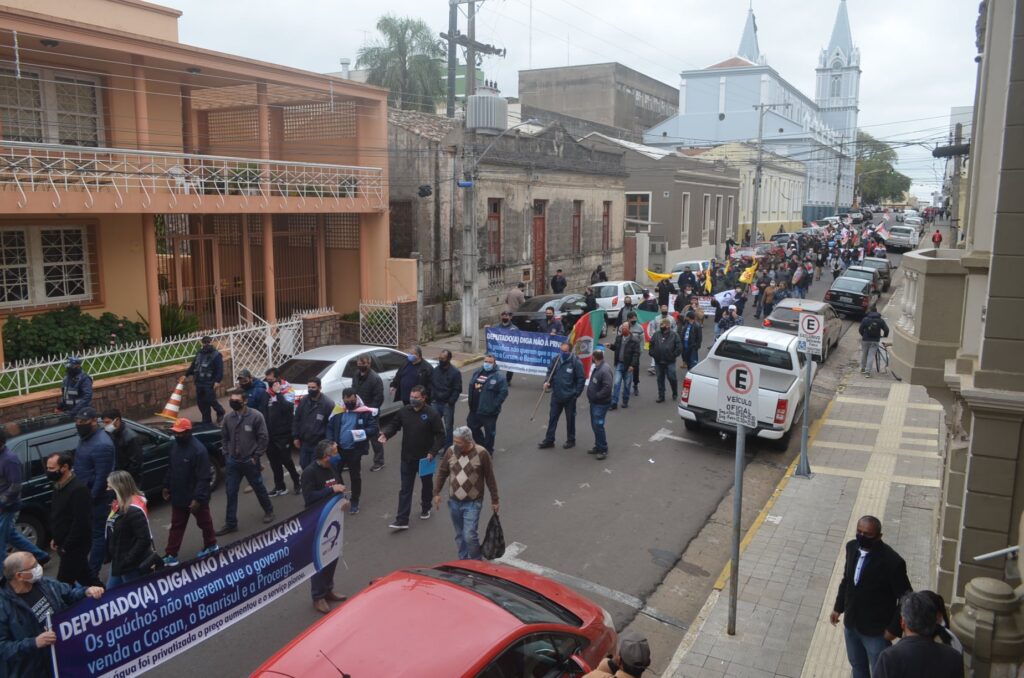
407	62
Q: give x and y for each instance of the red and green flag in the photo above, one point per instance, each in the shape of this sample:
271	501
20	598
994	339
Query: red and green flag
584	335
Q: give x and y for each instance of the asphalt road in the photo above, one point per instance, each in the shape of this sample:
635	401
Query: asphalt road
614	528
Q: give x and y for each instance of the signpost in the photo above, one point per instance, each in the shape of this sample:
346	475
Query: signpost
811	341
737	404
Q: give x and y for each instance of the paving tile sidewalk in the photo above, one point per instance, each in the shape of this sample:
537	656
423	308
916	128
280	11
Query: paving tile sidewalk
874	452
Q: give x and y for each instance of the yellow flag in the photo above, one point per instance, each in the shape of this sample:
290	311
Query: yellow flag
728	265
658	277
707	281
748	275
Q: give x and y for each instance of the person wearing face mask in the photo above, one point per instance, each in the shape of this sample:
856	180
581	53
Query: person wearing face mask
187	488
129	537
551	324
75	388
422	438
665	348
566	380
370	389
245	439
27	601
627	308
94	460
874	581
309	424
487	393
273	376
127	445
445	389
207	371
11	475
352	425
280	420
415	372
665	315
255	392
626	356
468	469
322	479
70	528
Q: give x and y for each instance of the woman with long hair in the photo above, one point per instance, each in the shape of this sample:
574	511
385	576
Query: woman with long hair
129	540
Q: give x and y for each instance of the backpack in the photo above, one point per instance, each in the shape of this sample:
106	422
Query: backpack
873	328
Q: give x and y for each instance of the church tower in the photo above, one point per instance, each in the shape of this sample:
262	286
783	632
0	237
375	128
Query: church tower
838	88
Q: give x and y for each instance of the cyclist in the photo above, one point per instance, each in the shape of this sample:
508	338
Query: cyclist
872	329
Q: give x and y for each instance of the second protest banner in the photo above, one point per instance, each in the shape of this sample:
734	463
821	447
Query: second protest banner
522	352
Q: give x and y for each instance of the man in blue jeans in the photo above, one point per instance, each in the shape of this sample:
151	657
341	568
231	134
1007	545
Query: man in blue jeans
11	471
245	439
599	393
487	391
467	467
566	380
94	460
422	438
445	389
626	354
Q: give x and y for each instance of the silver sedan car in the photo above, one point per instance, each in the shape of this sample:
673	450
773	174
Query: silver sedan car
336	365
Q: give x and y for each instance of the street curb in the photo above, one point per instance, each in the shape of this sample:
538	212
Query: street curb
686	644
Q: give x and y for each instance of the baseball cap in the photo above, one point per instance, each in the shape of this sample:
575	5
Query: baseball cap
182	425
86	413
73	360
732	307
245	374
634	650
207	339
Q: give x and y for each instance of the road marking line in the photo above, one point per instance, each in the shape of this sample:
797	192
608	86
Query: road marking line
896	480
872	449
511	557
868	401
850	423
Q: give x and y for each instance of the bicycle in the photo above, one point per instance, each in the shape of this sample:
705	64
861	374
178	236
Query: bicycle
882	360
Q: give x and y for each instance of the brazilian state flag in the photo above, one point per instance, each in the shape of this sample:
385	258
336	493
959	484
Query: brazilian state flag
651	322
584	336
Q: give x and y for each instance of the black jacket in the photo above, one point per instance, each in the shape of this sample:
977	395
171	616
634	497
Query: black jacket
873	327
665	347
19	656
70	526
280	417
599	390
423	431
696	335
872	606
424	372
207	368
129	541
631	351
446	385
128	452
309	422
370	388
664	289
648	305
919	657
558	283
317	482
188	473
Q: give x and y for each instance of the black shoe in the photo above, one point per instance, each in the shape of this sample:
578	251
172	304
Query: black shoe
569	444
601	456
636	390
625	406
675	397
545	444
298	488
613	407
376	467
226	529
660	399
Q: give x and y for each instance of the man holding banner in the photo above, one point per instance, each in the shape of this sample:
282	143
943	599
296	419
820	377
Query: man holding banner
566	379
320	480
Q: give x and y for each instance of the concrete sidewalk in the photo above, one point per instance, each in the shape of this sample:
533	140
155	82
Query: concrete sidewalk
875	451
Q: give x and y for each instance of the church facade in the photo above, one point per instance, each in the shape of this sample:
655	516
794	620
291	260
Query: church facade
725	102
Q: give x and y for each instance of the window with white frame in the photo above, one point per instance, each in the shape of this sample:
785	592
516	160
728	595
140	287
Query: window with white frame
48	106
706	223
684	235
44	265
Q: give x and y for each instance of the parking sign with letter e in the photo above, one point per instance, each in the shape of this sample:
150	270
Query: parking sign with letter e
737	393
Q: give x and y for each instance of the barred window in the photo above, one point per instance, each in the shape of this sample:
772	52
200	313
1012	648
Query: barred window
44	265
51	106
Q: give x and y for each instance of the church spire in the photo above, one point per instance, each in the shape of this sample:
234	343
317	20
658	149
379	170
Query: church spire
841	35
748	43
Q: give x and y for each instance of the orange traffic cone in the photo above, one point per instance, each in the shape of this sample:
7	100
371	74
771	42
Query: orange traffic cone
173	405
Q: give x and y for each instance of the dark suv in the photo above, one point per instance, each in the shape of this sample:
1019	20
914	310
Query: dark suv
36	439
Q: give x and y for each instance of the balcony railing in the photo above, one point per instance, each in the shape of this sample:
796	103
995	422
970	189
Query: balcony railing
931	311
49	177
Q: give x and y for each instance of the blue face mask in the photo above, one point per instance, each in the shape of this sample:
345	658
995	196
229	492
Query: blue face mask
566	354
410	357
488	367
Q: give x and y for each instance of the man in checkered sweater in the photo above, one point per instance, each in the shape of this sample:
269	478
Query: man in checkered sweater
467	467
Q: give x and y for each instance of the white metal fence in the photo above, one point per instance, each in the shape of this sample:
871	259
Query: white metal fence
255	346
378	323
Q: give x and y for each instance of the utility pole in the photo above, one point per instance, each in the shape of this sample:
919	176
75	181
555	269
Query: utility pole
954	201
839	173
470	311
470	51
453	31
758	169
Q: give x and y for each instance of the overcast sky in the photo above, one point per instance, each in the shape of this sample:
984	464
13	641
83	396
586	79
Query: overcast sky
917	56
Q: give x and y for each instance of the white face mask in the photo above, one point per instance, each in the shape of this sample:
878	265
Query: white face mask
37	573
109	428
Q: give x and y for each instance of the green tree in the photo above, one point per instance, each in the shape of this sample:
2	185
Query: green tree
407	61
877	179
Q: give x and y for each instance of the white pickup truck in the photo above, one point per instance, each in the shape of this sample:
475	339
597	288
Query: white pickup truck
780	392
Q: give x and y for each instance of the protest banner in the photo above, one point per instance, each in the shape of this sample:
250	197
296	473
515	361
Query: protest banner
522	352
143	623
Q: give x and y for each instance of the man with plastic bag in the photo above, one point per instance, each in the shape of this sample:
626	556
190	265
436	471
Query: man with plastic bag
467	467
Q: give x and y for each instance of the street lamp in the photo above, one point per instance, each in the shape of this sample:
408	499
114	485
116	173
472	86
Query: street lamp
470	284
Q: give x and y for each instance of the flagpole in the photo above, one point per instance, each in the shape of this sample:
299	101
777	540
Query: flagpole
558	361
